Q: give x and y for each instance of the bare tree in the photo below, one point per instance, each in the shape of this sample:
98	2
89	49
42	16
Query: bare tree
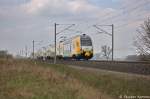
142	42
106	51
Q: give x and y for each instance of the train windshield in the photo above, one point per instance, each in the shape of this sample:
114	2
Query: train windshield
86	41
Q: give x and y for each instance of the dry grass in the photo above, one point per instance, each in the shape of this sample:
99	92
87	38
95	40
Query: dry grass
113	84
22	79
25	79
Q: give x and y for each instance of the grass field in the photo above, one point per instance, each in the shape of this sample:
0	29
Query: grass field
25	79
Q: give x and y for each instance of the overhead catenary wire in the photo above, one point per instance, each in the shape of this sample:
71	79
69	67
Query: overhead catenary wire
138	6
65	29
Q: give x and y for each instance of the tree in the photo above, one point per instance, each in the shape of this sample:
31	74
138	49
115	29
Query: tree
106	51
142	42
5	54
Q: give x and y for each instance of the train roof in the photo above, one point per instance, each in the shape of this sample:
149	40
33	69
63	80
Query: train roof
82	36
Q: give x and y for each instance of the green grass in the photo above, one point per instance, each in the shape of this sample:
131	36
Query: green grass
25	79
108	83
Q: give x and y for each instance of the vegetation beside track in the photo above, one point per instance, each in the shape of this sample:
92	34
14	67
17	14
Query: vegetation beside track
26	79
108	83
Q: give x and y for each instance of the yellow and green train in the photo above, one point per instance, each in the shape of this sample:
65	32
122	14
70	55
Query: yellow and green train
78	47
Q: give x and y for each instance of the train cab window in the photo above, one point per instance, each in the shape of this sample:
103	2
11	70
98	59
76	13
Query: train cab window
86	41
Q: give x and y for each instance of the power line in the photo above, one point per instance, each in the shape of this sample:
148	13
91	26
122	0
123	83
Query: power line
127	11
112	35
65	29
56	33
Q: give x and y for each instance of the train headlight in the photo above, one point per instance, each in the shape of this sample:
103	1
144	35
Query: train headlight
87	54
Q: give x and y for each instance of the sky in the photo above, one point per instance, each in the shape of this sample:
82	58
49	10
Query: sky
22	21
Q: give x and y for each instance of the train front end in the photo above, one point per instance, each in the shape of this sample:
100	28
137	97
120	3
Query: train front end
86	47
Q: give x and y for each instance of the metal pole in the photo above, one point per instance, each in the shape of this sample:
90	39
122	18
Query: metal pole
26	50
33	49
112	42
55	45
59	48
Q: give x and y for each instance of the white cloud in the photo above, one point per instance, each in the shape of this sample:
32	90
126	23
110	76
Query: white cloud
35	5
59	7
81	6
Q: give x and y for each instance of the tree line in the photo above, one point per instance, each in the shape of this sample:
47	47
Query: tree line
5	54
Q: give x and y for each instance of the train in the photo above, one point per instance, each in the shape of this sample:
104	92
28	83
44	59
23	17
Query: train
78	47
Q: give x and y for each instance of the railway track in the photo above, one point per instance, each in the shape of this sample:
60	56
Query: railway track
142	68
